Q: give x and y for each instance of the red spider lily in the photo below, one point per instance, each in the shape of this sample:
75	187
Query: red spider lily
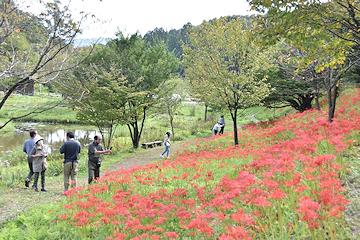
69	206
309	209
235	233
171	234
277	194
120	235
335	211
285	167
321	160
201	226
82	221
328	197
242	217
260	202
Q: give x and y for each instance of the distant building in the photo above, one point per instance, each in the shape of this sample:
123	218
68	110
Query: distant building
27	89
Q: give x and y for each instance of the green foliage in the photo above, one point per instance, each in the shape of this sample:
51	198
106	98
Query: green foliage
323	34
128	71
221	57
222	65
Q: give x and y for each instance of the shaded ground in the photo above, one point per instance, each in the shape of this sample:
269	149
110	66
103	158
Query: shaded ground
18	199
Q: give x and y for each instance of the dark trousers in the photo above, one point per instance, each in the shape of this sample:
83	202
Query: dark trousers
31	173
221	130
94	171
36	178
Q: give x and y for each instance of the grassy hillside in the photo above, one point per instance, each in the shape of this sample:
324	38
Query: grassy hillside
285	180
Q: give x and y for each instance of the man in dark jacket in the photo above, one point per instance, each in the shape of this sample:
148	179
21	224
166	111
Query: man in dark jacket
94	163
71	149
28	145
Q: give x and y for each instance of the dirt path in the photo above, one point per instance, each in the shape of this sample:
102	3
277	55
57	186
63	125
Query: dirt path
18	199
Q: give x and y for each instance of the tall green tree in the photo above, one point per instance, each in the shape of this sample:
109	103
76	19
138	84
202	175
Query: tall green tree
104	104
292	86
146	67
171	100
222	63
326	31
143	66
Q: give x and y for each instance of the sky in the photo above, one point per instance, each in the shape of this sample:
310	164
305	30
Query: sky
130	16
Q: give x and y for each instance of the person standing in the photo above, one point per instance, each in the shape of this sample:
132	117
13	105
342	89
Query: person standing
71	149
167	144
94	163
222	122
39	155
28	145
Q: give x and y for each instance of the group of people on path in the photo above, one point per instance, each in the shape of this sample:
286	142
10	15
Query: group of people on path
37	153
219	126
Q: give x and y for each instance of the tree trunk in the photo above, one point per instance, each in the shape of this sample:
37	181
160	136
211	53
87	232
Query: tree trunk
332	92
234	117
306	101
302	103
332	102
206	108
171	124
136	132
317	102
136	138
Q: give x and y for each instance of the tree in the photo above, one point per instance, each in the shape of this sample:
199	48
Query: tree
48	38
144	67
292	86
222	64
104	105
170	100
326	31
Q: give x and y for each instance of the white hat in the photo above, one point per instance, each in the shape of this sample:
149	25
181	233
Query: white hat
169	132
38	138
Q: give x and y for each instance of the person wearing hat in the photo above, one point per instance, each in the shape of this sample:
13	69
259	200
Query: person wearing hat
38	155
167	144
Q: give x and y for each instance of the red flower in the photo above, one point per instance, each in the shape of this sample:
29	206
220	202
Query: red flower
171	234
278	194
242	217
235	233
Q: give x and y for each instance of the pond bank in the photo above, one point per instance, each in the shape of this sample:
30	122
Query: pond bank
54	135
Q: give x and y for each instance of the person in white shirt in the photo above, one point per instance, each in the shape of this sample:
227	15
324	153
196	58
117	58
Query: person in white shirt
167	144
216	128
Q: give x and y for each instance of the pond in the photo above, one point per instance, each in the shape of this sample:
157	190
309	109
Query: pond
54	135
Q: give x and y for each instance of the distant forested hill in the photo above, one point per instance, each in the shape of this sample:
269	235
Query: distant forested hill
173	38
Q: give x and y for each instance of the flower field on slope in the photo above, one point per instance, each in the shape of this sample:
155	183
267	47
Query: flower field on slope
283	181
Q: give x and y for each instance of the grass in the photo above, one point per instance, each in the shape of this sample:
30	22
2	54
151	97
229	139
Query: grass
208	189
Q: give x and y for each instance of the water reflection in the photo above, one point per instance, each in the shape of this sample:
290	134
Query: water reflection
54	136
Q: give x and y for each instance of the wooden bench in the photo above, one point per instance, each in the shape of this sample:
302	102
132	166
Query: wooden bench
151	144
